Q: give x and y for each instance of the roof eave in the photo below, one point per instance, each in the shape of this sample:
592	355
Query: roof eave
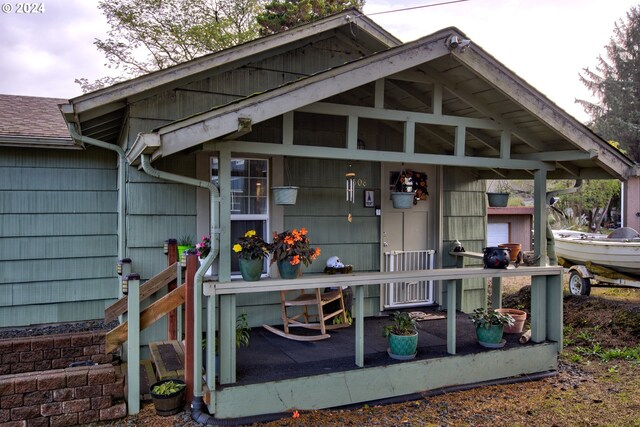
159	78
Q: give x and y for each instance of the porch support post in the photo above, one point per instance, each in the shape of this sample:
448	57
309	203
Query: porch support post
227	352
540	215
539	283
555	309
358	292
133	343
451	316
496	292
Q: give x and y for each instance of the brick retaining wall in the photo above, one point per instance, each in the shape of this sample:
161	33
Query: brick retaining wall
56	397
62	397
51	352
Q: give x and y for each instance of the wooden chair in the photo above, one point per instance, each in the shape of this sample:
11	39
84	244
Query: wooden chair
302	317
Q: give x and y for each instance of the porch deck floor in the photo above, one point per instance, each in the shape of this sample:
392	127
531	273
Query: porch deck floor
270	357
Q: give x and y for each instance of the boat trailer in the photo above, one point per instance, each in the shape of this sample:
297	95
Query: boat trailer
583	277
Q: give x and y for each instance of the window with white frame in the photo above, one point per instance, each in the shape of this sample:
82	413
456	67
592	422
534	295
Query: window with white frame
249	199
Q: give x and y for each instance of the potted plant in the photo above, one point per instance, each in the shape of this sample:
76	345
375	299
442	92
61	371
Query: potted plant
168	396
402	335
519	317
290	249
498	193
243	333
490	326
251	250
184	243
403	194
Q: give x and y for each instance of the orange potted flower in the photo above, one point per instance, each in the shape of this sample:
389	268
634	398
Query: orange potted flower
290	249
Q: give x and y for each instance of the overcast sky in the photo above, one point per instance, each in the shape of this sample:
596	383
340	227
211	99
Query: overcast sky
546	42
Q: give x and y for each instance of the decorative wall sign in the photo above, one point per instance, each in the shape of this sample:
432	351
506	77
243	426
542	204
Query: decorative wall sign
369	201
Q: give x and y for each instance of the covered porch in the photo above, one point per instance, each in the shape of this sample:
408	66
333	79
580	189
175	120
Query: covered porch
352	366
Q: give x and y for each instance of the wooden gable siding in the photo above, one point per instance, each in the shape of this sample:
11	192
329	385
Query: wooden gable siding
58	242
223	87
464	219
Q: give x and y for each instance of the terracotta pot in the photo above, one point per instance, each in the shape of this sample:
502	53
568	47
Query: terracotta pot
518	315
514	249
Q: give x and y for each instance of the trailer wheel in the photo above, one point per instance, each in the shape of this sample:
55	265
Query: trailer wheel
579	285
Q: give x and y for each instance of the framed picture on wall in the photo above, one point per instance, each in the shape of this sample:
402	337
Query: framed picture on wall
369	200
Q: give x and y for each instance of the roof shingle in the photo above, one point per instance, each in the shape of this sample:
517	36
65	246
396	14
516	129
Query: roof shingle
30	116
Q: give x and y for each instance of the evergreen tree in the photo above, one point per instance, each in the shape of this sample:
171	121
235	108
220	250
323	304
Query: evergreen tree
616	84
280	15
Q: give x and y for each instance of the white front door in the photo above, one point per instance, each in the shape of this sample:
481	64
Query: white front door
407	243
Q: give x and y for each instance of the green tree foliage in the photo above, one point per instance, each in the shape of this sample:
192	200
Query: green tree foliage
591	202
149	35
615	82
280	15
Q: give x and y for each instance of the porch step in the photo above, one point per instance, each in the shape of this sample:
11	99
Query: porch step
168	356
147	379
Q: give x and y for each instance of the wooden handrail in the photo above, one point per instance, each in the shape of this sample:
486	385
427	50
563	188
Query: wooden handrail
118	335
149	287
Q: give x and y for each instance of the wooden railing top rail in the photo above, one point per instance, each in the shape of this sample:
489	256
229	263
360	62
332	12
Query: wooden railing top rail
309	281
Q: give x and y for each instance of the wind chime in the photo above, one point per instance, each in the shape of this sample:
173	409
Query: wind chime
351	190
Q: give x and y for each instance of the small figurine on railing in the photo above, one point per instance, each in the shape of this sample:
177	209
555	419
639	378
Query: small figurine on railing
335	266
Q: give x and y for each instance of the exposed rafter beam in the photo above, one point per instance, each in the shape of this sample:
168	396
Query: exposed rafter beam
371	155
559	156
398	115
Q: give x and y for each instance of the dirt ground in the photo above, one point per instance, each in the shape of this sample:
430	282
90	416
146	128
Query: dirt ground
598	382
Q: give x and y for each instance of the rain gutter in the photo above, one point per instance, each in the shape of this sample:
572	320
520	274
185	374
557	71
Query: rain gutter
551	242
122	163
197	403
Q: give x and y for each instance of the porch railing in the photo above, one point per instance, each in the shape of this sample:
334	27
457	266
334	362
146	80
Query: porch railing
546	301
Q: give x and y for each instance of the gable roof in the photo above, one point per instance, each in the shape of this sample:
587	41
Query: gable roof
100	114
482	96
29	121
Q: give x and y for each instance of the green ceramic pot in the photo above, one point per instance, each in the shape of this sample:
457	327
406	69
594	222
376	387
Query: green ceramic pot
403	345
251	269
492	334
288	271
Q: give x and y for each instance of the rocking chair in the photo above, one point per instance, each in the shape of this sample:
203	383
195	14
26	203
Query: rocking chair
317	299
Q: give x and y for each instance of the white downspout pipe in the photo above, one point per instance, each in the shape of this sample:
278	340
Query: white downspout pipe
122	163
208	261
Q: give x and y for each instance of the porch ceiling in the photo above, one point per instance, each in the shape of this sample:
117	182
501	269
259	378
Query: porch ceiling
462	108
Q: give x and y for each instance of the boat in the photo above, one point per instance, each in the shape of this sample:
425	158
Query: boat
618	251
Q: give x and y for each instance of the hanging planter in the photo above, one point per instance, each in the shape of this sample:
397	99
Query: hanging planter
402	194
401	200
498	200
285	195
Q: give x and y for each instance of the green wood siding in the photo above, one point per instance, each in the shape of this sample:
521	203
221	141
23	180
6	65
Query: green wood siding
464	210
58	226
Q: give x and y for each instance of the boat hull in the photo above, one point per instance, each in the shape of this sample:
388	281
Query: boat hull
622	255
